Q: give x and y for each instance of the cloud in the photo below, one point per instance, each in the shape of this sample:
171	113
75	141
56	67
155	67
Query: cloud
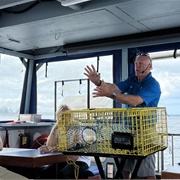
168	75
165	71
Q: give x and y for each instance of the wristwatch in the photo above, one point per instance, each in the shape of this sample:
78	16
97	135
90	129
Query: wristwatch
113	95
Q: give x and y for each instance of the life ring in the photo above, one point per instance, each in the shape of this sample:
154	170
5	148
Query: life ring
39	141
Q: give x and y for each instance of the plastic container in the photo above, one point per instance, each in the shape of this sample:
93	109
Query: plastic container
34	118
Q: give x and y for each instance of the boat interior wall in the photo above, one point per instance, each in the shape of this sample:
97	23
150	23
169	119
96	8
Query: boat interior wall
36	29
14	132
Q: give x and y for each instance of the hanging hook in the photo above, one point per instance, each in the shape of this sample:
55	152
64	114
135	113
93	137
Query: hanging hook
97	63
175	53
80	82
62	88
57	36
46	69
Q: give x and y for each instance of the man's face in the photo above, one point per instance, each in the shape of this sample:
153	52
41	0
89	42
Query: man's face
142	65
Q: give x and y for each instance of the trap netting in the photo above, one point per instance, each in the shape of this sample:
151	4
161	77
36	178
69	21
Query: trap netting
123	131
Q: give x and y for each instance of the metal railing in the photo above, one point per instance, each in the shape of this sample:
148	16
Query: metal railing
162	158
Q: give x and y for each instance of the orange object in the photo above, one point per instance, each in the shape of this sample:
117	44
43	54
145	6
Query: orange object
39	141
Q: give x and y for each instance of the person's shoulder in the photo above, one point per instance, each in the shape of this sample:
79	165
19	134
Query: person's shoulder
132	79
153	80
152	83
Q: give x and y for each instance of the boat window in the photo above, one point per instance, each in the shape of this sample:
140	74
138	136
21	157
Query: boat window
166	71
11	82
70	90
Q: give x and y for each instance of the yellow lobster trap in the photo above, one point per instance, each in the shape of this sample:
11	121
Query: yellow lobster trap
120	131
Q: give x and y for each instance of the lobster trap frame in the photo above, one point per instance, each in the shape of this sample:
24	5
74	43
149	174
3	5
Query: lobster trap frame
120	131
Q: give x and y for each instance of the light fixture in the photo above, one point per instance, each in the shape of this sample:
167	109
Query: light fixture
71	2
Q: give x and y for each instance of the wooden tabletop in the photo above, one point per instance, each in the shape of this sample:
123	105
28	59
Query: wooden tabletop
29	157
172	172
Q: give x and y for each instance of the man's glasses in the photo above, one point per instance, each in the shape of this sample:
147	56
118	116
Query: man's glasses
143	54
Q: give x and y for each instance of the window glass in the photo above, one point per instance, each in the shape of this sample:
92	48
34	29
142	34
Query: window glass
70	92
165	70
11	81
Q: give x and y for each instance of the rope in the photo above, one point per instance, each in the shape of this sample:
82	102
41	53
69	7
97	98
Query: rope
76	167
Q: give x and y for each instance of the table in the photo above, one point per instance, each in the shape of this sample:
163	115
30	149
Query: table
28	159
119	164
171	173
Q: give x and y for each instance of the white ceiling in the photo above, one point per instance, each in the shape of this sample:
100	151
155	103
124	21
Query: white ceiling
32	28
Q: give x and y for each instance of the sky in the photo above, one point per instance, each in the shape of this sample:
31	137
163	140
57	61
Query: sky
166	71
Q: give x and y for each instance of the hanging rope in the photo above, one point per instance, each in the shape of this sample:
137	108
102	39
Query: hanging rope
76	167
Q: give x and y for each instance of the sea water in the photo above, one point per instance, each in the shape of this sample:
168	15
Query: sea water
173	128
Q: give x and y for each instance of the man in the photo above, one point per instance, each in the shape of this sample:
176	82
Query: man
142	90
6	174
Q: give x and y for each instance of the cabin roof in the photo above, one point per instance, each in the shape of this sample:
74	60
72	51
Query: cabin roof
37	29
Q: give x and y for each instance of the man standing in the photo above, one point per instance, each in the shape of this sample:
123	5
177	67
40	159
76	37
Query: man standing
142	90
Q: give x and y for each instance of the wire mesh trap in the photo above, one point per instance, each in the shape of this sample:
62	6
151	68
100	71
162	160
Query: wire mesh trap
123	131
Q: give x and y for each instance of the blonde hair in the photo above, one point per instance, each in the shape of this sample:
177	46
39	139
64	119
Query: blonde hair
61	109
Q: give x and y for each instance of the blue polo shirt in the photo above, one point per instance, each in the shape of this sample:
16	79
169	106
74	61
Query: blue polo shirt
148	89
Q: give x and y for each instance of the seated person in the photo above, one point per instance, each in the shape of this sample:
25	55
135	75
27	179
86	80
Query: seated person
6	174
65	171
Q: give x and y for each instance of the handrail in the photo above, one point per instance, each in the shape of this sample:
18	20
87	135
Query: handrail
161	157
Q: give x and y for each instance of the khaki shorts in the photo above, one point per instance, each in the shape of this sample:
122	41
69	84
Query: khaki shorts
147	167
